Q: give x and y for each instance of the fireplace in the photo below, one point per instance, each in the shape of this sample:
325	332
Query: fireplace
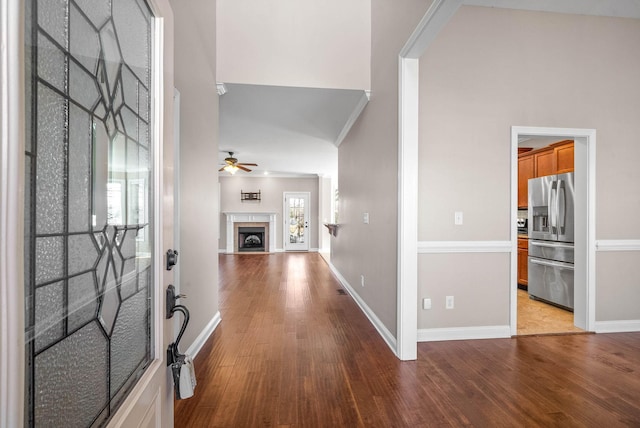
266	221
251	239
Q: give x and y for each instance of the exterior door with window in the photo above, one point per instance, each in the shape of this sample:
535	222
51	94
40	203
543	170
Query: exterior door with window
296	221
91	167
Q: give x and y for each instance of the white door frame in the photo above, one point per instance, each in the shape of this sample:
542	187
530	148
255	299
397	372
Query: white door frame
436	17
585	221
11	214
285	221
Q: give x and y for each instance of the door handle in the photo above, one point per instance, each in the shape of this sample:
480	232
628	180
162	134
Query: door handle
561	206
549	244
552	264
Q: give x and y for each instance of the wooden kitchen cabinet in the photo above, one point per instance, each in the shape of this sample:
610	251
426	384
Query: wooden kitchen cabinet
554	159
545	162
564	157
523	254
526	170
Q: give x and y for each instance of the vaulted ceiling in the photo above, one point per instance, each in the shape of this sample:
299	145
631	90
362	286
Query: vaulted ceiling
296	131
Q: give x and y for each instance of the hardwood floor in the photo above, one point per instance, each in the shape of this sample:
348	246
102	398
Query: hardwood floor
293	352
535	317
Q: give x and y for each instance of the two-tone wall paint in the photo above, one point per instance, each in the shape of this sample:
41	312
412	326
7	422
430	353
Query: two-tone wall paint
488	70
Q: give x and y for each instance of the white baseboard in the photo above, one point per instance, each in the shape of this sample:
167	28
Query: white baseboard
464	333
382	330
199	342
623	326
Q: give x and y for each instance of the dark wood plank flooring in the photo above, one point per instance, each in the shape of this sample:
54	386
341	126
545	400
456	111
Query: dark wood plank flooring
291	351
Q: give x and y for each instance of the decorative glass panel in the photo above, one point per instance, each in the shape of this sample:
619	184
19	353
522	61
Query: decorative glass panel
48	310
83	254
83	300
82	87
49	254
79	169
52	127
85	46
130	340
88	224
52	63
54	20
73	372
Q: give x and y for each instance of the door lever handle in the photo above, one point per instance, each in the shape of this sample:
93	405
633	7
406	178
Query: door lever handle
171	298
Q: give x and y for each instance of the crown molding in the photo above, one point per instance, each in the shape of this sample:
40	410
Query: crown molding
355	114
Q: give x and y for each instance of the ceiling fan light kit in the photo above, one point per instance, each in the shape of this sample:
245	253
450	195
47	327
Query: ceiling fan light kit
232	165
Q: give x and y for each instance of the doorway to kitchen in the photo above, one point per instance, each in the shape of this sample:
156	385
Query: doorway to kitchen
530	316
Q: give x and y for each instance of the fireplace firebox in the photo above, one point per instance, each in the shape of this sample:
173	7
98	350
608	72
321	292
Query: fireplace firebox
251	239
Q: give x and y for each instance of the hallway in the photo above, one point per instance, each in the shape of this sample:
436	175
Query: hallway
291	351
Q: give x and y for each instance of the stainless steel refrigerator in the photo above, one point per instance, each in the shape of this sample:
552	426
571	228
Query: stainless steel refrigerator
551	249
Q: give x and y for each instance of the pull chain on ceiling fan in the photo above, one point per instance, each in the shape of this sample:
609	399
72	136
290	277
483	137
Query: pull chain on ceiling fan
232	165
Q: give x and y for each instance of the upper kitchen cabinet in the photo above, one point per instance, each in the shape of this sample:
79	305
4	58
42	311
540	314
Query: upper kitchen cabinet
563	154
556	158
545	162
526	170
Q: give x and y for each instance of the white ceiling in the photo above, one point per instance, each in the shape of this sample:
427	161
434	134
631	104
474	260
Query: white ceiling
287	131
295	131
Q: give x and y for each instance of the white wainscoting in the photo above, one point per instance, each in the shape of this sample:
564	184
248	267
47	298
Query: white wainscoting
618	245
439	247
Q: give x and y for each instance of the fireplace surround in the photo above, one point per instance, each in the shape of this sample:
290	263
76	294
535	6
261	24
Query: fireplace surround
236	220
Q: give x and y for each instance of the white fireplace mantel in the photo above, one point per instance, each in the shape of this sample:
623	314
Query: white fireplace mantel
247	217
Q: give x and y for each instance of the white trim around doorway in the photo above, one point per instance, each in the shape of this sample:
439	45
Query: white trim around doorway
585	220
11	214
436	17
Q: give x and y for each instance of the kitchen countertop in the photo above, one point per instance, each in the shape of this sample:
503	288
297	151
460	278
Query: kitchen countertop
522	236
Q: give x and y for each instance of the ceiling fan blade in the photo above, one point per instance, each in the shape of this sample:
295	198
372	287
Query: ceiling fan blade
221	169
247	164
243	168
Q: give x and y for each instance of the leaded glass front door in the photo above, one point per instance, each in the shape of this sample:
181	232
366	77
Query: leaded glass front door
88	207
296	221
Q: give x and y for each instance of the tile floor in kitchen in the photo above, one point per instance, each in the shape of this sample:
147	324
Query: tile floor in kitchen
535	317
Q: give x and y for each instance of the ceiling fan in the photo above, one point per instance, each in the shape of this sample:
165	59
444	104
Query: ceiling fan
232	165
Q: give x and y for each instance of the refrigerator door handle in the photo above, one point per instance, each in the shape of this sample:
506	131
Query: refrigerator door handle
553	207
561	206
551	264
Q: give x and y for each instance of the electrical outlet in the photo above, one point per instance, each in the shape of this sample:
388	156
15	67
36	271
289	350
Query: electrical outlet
426	303
362	280
449	302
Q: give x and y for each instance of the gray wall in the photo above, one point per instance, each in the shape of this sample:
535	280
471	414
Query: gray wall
368	169
490	69
195	78
271	189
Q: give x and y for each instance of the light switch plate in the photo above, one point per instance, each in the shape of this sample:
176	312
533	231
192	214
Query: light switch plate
457	217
